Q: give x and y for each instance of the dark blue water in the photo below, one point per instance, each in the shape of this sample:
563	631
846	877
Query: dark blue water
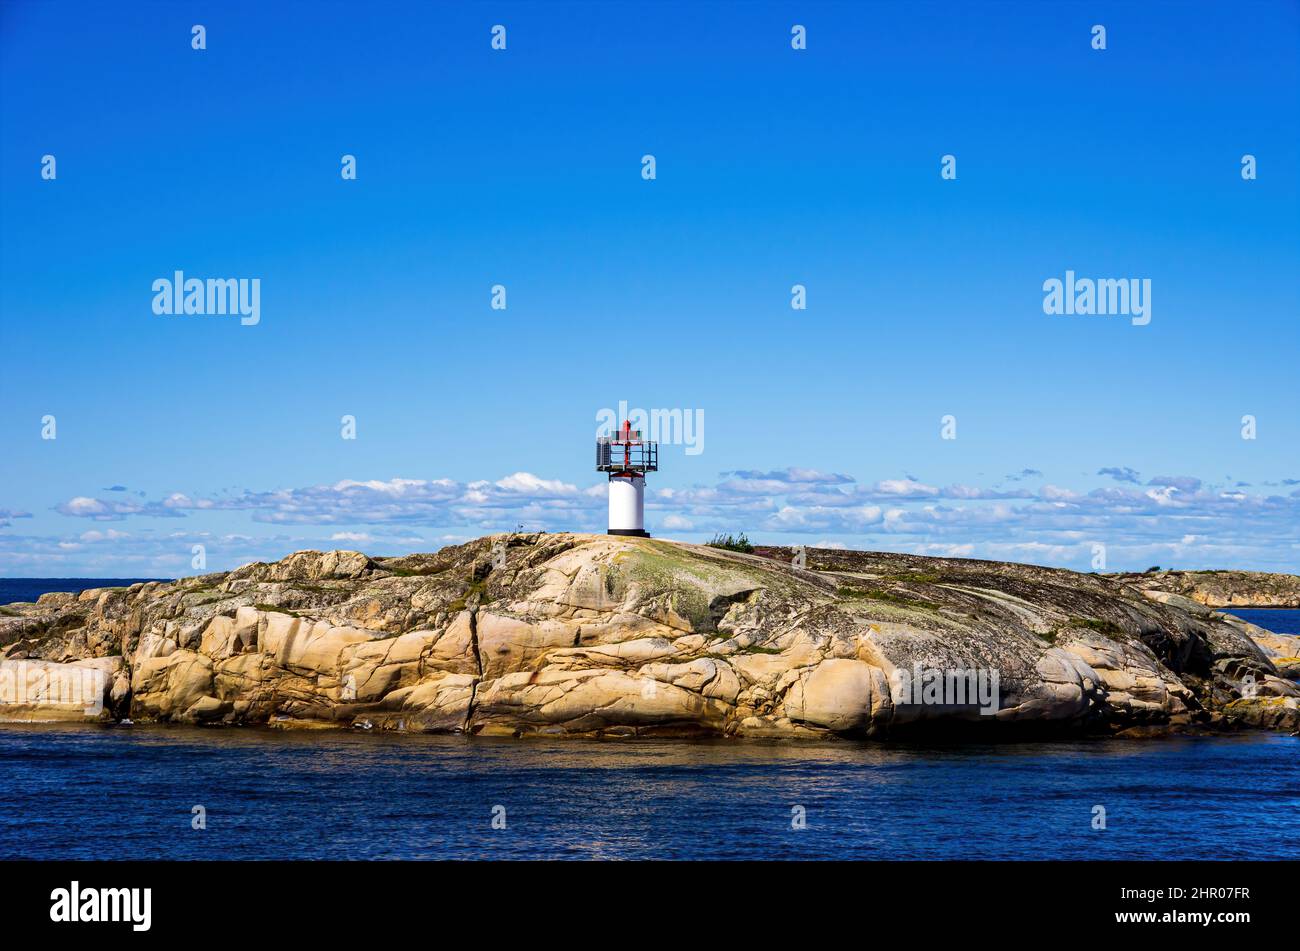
1277	620
128	793
88	792
29	589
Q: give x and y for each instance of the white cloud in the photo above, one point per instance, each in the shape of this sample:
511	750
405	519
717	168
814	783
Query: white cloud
527	483
906	487
358	537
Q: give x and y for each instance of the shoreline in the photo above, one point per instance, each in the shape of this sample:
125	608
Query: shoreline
939	736
934	742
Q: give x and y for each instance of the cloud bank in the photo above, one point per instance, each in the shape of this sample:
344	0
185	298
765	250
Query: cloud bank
1174	520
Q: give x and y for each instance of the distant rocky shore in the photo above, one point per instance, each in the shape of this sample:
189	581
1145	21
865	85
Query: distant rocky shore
605	636
1223	589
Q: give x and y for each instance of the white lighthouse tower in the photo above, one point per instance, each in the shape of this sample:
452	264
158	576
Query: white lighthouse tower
627	458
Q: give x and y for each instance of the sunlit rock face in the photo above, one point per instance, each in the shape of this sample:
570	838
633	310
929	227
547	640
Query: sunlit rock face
1223	589
600	635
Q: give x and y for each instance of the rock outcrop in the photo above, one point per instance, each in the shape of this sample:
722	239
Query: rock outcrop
597	635
1223	589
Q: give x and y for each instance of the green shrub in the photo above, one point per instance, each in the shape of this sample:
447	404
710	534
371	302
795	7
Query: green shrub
737	543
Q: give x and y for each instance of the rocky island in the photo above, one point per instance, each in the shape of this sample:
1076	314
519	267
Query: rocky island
1223	589
616	636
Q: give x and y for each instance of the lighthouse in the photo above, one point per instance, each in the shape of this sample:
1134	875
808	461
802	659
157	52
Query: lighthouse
627	458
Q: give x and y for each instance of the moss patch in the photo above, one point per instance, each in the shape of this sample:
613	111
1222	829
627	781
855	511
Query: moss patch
888	597
1244	702
684	580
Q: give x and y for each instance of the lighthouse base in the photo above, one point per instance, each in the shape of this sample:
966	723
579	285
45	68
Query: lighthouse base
638	532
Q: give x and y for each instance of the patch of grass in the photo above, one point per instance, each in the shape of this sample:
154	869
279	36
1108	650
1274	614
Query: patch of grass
275	608
1109	628
738	543
475	587
914	577
423	566
8	612
411	572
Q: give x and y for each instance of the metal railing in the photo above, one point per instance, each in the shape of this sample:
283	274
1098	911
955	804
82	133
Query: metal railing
613	455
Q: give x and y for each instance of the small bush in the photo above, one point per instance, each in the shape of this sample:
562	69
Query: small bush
737	543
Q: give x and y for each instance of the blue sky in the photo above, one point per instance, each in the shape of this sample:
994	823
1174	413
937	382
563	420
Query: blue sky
523	168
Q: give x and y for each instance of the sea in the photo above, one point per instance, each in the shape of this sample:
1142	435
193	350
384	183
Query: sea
189	793
29	589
